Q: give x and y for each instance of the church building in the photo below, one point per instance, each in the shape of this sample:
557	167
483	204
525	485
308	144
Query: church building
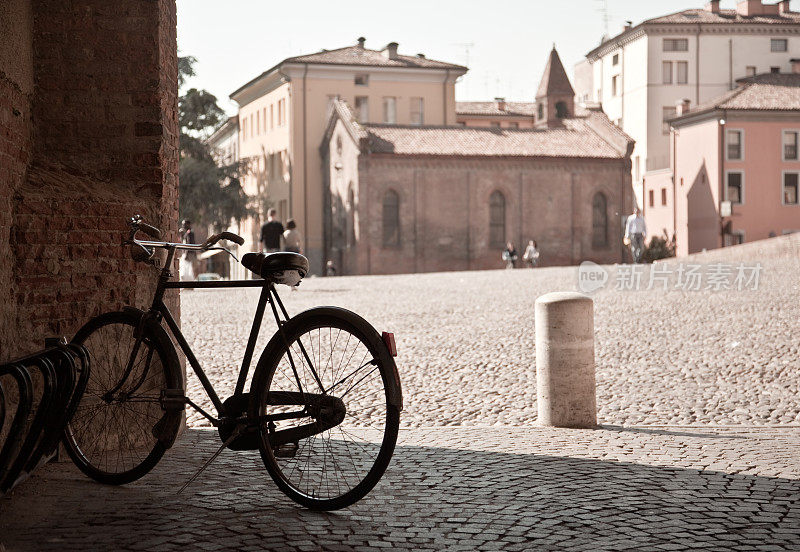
420	198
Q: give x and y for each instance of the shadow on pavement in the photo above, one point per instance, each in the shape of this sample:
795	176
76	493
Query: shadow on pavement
431	497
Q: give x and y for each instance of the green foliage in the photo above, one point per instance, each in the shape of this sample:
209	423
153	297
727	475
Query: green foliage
209	194
659	248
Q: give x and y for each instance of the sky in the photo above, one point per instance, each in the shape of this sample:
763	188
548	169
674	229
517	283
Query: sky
504	43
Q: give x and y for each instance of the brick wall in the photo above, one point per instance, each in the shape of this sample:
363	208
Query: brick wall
93	142
444	210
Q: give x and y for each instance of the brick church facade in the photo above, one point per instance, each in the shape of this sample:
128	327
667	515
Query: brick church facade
406	198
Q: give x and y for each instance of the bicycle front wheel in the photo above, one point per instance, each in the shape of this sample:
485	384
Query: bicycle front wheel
117	433
328	403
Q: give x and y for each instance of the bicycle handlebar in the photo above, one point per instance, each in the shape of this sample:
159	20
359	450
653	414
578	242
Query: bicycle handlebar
151	231
142	250
230	236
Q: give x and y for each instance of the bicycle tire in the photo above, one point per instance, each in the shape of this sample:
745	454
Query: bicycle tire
366	436
137	425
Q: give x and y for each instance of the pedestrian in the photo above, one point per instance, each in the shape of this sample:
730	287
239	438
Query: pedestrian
291	237
330	268
531	255
635	233
271	233
186	266
510	255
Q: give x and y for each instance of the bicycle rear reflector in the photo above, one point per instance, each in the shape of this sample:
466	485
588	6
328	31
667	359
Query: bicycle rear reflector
388	339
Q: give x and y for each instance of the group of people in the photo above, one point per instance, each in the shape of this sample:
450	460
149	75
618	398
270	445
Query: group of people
635	233
274	237
530	257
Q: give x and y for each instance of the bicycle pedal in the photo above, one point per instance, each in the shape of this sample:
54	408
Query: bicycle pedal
288	450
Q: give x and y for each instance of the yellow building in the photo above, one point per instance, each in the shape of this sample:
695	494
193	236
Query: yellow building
283	114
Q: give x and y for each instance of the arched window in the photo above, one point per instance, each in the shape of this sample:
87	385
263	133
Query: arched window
391	219
497	219
351	216
599	221
561	110
541	111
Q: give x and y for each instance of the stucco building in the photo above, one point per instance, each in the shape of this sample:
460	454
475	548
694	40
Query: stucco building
736	168
282	119
642	73
413	198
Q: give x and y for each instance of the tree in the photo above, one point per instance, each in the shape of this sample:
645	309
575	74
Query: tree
209	194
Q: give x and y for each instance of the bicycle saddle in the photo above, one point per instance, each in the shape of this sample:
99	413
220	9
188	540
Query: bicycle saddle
280	268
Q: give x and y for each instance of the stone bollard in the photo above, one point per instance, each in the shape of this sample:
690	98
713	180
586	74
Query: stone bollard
565	360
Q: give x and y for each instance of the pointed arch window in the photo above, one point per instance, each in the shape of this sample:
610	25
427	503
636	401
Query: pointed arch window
599	221
497	219
351	216
391	219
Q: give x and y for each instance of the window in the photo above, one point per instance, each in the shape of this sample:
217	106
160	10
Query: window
666	72
736	237
790	188
541	111
339	145
651	198
615	59
615	85
663	196
497	219
561	110
778	45
636	170
244	128
750	70
599	221
271	116
774	69
735	187
258	123
361	80
668	112
513	125
362	109
251	125
391	219
351	216
734	145
676	44
417	111
790	145
682	72
390	110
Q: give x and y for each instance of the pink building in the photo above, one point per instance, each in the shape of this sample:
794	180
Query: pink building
735	169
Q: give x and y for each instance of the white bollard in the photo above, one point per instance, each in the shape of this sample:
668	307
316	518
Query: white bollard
565	386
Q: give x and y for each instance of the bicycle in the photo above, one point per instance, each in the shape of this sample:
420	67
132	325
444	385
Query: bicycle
323	407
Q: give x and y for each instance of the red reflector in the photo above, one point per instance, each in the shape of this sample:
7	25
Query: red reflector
388	339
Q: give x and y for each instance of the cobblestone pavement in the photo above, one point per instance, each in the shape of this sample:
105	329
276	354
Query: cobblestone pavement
615	488
466	344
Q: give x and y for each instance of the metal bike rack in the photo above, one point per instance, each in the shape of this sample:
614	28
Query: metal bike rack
42	411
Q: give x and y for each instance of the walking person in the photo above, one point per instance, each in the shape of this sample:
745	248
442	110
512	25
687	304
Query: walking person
510	256
186	266
531	255
271	233
635	233
291	237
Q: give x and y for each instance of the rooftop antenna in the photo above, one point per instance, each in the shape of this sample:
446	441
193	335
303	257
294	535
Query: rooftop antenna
603	9
466	46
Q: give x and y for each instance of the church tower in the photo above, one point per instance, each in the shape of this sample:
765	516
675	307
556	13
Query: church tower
555	99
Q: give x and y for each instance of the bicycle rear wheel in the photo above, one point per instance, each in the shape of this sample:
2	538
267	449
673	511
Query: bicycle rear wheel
120	429
345	384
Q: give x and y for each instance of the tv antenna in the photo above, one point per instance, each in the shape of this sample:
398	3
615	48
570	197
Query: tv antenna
603	9
466	47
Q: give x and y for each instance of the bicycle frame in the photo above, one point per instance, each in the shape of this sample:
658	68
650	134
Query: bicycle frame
159	308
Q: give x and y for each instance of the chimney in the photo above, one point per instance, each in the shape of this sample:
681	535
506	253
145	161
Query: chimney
361	40
713	6
628	26
749	8
390	51
784	7
683	107
501	103
795	65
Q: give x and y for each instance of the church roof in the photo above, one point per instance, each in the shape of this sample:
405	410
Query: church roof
590	136
358	55
513	109
554	80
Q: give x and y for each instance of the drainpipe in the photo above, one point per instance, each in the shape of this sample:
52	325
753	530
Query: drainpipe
305	165
288	79
674	179
722	147
697	64
444	97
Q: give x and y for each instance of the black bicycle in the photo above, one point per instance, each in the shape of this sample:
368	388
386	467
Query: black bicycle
324	402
